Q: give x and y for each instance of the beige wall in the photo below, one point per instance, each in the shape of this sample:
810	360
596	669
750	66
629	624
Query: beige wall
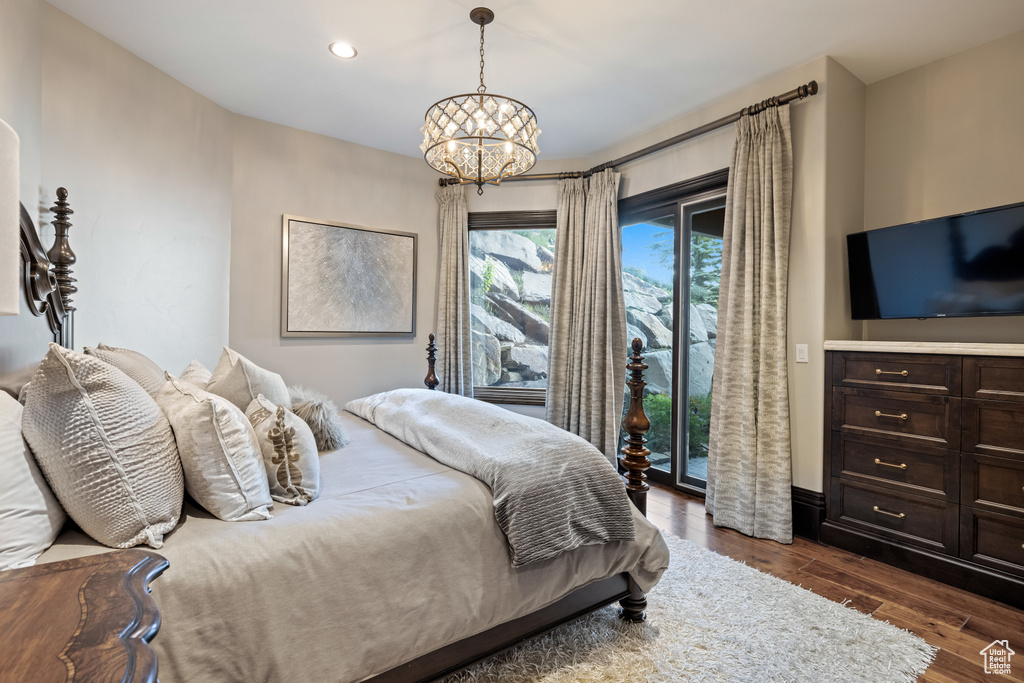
279	170
169	187
945	138
21	87
22	336
147	163
809	238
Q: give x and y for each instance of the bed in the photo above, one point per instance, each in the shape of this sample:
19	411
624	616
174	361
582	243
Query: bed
397	572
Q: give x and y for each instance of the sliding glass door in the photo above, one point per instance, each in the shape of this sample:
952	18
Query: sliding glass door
648	287
671	258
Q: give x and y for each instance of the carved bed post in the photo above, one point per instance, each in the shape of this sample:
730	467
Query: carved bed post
431	379
636	462
636	425
62	258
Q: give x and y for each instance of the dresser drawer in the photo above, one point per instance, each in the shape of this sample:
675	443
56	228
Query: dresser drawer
909	418
925	470
992	539
1000	379
914	373
994	428
906	517
994	484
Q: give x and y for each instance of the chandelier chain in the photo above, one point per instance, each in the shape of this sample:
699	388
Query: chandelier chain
482	88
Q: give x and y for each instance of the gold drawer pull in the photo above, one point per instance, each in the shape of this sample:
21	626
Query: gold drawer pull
879	371
901	416
901	466
898	515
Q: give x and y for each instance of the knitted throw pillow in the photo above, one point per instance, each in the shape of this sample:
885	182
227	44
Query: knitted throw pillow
132	363
105	447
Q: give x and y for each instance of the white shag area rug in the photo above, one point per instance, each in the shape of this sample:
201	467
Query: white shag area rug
714	619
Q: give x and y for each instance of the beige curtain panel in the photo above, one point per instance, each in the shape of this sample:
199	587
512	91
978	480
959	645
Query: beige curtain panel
454	367
749	458
586	362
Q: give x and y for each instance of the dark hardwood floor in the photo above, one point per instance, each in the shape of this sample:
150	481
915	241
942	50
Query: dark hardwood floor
958	622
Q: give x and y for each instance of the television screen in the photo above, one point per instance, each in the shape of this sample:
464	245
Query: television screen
971	264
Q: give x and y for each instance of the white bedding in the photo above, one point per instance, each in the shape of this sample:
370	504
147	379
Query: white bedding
399	556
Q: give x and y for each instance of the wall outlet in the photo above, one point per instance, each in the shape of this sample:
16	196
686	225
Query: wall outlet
801	353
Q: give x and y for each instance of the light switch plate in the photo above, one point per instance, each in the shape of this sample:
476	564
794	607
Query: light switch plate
801	353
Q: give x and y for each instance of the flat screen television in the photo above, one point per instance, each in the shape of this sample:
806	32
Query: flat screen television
971	264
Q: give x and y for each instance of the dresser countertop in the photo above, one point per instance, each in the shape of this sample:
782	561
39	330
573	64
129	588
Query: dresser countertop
958	348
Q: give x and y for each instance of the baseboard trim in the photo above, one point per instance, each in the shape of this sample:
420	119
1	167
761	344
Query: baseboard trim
808	507
808	513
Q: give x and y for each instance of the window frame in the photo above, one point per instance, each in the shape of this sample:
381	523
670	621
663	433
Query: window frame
512	220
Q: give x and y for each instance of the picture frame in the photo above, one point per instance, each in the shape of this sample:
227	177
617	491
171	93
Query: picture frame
345	280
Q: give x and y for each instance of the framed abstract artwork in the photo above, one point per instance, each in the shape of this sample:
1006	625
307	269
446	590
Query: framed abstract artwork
341	280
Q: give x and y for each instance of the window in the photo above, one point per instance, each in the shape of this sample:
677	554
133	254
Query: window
671	260
511	257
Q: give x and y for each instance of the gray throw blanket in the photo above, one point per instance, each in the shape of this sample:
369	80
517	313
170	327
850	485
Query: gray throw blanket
553	491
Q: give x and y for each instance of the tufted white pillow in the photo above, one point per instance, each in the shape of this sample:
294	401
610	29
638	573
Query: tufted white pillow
289	452
105	447
132	363
239	380
219	453
30	517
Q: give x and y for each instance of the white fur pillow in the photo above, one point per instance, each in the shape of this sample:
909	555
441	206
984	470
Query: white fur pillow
30	517
239	380
105	448
289	452
219	453
132	363
320	413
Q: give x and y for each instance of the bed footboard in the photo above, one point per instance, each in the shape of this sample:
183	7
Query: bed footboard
636	463
636	425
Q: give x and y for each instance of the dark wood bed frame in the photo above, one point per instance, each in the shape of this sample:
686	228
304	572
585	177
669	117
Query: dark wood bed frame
46	275
620	588
48	286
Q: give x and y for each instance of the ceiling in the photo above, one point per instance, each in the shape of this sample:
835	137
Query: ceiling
594	71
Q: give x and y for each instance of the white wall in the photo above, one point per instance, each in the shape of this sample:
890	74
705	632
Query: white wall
945	138
147	163
280	170
22	336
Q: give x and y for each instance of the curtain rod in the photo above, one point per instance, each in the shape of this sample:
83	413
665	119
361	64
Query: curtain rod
797	93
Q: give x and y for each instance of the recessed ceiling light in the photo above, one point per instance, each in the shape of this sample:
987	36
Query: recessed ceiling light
343	50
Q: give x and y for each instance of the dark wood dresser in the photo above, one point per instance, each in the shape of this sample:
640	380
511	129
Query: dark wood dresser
87	619
924	462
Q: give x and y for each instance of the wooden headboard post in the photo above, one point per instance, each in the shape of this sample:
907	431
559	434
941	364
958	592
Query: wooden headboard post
48	290
431	379
62	258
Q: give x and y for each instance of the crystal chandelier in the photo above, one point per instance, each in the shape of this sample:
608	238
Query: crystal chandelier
480	138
